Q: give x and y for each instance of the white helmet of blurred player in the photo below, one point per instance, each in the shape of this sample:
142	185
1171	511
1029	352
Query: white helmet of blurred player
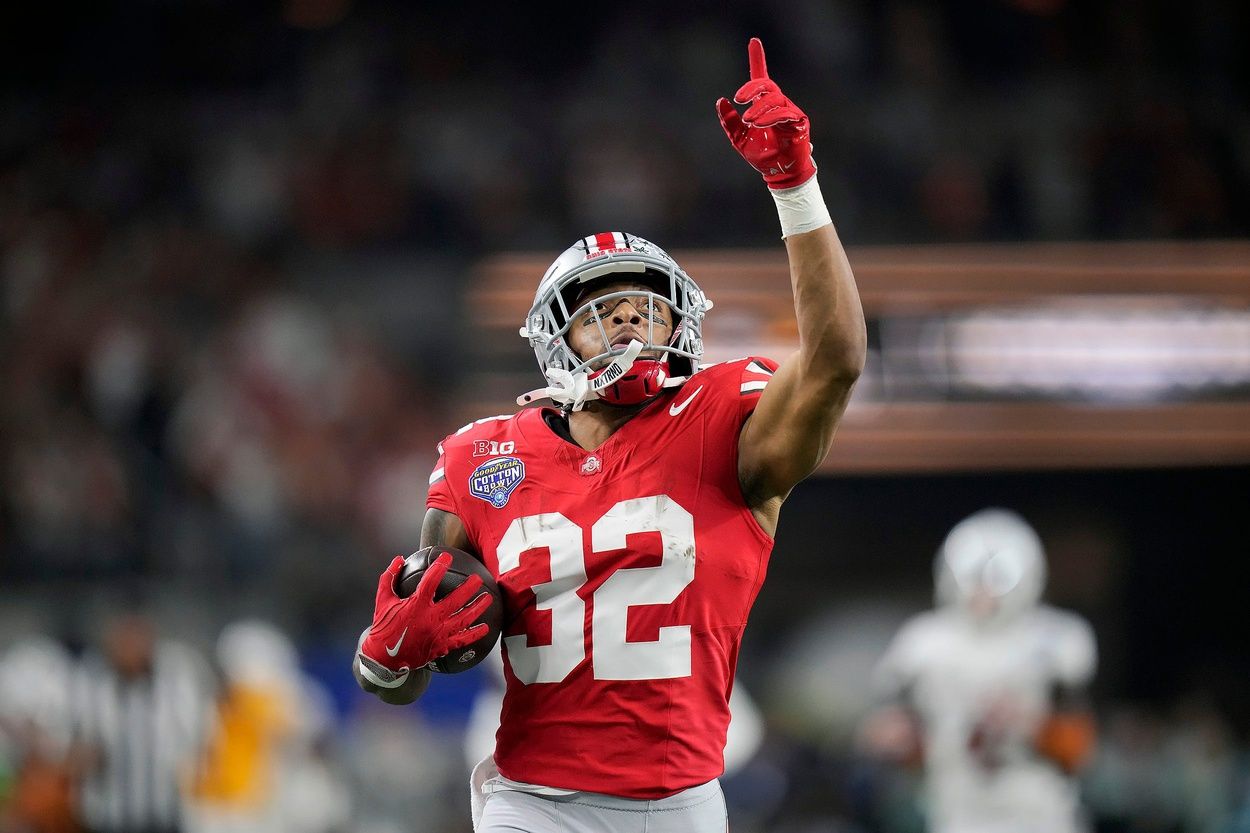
991	566
616	375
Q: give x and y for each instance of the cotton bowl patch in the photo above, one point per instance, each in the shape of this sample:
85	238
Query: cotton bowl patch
495	480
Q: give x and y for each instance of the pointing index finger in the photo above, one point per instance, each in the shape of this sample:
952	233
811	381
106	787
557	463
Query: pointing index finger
755	55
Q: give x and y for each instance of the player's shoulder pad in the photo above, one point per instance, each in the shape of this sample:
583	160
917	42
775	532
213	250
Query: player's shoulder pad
925	627
486	428
1064	622
1071	641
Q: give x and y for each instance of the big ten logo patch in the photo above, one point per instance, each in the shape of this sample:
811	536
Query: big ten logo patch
490	448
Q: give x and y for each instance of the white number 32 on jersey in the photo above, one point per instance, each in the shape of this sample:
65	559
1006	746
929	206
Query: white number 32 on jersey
612	656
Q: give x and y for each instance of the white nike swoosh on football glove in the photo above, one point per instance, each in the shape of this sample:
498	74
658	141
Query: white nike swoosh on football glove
390	652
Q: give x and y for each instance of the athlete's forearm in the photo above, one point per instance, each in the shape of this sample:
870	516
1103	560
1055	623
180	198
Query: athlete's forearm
833	339
774	137
438	528
446	530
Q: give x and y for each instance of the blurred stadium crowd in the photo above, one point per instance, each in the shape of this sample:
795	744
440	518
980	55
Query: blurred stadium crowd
234	241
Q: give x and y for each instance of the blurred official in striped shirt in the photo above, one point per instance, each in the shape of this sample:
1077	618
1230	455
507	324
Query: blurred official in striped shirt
140	710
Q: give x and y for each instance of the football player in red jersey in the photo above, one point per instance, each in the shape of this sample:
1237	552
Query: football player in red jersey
629	528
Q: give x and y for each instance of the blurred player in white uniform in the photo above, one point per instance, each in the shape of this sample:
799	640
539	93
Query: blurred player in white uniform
988	689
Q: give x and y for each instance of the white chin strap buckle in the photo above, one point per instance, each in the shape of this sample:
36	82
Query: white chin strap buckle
576	389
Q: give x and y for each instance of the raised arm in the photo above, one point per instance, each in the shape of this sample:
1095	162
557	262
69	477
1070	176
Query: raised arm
439	527
792	427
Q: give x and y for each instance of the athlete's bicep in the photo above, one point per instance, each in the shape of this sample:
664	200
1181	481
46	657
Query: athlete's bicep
790	432
442	528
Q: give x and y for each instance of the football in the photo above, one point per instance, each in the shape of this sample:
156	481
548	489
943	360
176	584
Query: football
462	566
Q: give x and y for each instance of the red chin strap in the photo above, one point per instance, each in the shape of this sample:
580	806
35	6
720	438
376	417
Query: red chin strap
644	379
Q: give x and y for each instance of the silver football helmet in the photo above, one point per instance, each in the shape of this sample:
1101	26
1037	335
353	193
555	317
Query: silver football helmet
574	380
991	566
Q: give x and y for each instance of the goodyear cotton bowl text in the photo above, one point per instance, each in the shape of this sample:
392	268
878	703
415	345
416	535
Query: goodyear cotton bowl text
495	480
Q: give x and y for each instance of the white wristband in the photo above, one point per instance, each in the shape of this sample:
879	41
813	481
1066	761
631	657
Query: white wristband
801	208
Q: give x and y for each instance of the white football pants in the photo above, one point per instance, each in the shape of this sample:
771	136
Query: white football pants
699	809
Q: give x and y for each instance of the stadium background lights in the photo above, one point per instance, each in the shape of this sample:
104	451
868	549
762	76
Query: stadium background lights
1103	349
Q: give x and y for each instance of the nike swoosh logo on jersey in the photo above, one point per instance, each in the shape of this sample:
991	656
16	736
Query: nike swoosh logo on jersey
785	167
390	652
674	410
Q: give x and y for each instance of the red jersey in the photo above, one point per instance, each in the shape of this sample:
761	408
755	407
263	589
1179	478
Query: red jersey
627	575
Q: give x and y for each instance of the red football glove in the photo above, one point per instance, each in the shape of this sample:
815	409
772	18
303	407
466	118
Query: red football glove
407	633
772	135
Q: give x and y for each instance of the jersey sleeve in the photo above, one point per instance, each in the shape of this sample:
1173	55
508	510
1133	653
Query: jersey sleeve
440	495
756	373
